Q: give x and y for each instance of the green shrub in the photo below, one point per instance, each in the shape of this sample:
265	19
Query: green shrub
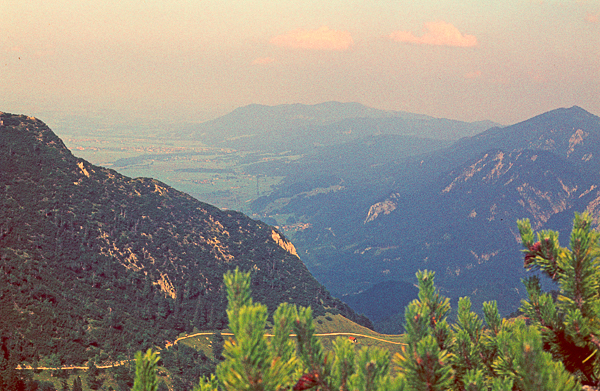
570	327
472	354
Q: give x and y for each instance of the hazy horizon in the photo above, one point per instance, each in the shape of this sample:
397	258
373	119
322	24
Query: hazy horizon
193	61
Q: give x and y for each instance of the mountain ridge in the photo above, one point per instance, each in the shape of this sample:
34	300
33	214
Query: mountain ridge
96	264
291	126
453	210
537	133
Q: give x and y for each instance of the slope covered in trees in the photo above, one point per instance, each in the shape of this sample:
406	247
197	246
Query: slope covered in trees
95	265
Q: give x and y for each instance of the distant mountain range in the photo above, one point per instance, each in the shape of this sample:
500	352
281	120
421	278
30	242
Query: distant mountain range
301	128
452	210
96	265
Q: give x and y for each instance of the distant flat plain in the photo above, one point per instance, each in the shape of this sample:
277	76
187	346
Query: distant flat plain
217	176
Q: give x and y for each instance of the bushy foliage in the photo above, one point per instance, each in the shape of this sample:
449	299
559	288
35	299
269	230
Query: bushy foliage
570	326
145	371
256	362
504	355
498	355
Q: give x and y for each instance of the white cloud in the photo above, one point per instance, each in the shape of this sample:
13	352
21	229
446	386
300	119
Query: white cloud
438	33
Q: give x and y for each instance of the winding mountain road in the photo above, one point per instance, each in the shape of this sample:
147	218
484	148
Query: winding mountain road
293	335
119	363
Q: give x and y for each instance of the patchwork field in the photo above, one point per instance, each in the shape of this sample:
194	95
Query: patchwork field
221	177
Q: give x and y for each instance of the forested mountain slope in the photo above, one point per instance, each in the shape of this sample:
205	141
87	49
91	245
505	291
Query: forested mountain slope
95	264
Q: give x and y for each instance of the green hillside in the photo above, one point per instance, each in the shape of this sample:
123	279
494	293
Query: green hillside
96	265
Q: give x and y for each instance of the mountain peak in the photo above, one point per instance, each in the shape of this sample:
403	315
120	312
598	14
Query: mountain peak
39	133
289	126
577	108
572	132
562	115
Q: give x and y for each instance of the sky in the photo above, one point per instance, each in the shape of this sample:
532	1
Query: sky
194	60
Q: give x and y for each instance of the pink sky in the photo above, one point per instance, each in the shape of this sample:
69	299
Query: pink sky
193	60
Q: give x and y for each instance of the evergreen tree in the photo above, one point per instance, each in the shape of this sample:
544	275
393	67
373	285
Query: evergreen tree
424	362
93	376
145	371
467	347
498	355
253	362
504	356
570	326
217	346
523	362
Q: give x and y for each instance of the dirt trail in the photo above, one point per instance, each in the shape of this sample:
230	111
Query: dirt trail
293	335
119	363
115	364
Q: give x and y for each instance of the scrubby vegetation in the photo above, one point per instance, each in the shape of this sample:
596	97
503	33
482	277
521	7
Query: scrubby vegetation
553	347
569	325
